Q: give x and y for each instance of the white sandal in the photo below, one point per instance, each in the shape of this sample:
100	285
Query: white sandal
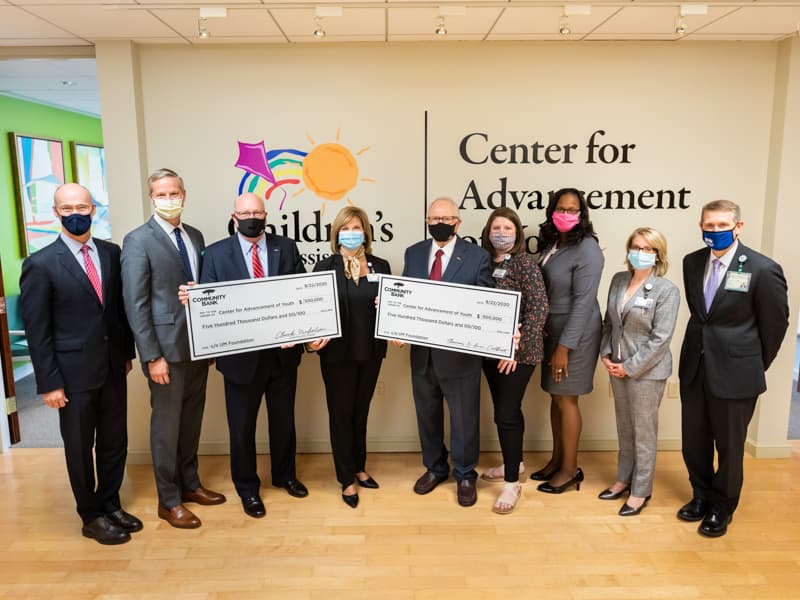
508	498
498	474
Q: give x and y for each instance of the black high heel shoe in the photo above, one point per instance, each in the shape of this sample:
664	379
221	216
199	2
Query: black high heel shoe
542	475
558	489
629	511
607	494
351	500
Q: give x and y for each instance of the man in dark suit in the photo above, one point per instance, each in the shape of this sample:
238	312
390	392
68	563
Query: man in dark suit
157	258
739	315
81	348
250	254
438	375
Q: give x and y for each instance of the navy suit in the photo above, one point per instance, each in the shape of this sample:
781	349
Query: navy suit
81	345
725	353
438	375
250	375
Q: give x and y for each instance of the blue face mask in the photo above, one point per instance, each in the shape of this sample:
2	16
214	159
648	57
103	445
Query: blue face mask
351	239
641	260
77	224
718	240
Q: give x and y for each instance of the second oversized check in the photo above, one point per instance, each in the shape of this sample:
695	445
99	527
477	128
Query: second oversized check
464	318
230	317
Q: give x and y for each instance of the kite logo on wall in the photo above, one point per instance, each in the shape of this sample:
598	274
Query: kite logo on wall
329	171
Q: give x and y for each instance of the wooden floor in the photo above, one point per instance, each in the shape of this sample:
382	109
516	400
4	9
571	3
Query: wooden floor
400	545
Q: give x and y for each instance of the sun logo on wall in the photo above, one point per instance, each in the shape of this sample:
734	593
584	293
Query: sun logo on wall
329	171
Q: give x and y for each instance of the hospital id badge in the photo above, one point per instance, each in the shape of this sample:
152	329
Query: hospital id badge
499	273
737	282
645	303
373	277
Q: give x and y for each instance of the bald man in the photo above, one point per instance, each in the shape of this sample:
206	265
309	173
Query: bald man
81	348
252	254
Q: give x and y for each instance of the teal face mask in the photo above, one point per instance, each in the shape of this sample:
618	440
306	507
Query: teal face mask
641	260
351	239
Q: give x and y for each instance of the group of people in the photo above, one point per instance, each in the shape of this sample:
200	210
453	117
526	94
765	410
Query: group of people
86	303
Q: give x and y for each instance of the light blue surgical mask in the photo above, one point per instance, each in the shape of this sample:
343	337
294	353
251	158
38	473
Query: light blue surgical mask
351	239
641	260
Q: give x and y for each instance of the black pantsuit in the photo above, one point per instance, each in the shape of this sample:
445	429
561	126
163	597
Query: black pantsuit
242	403
507	393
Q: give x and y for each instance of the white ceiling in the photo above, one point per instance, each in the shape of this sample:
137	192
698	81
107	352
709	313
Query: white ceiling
31	23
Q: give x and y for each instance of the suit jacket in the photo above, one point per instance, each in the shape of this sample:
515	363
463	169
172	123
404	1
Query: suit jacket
572	277
469	265
152	270
75	342
641	334
336	350
740	335
223	261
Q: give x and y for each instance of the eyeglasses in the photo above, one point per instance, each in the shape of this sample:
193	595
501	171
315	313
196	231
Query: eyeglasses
645	249
567	211
445	220
250	214
81	209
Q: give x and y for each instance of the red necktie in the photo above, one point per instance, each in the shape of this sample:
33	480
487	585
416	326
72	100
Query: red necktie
258	269
436	268
91	272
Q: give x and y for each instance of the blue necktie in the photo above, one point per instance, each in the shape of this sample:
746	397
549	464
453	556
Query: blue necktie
184	254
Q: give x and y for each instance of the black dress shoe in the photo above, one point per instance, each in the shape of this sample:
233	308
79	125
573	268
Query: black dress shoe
428	482
559	489
542	475
351	500
695	510
369	482
607	494
125	521
294	487
105	532
716	523
467	492
254	507
629	511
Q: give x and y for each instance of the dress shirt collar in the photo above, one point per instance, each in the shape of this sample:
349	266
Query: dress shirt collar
726	258
75	246
448	248
248	245
169	227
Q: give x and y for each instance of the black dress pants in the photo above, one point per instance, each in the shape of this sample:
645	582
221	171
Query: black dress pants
708	422
242	403
96	419
507	393
349	386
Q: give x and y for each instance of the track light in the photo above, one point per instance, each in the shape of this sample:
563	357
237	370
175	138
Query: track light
440	28
202	30
680	26
319	30
565	28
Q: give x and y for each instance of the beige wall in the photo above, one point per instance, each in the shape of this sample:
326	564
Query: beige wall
711	119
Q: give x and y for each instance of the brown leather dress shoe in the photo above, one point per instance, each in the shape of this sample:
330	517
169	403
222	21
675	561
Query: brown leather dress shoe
202	496
428	482
467	492
179	516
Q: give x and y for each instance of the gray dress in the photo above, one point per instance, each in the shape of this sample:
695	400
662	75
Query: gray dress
572	278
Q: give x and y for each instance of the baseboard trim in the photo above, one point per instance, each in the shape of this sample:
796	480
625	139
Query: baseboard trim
764	451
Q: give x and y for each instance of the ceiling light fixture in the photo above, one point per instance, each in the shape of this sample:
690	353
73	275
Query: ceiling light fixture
440	28
319	30
202	30
680	26
564	29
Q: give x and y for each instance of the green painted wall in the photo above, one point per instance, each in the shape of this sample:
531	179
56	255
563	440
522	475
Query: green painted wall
32	119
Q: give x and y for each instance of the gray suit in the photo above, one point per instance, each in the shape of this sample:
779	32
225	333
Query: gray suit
151	272
637	334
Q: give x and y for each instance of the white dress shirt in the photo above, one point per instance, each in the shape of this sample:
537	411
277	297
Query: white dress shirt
187	241
448	252
75	249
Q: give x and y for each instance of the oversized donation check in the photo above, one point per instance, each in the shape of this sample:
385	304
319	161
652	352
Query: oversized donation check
230	317
464	318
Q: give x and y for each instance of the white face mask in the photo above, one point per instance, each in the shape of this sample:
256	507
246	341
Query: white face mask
168	208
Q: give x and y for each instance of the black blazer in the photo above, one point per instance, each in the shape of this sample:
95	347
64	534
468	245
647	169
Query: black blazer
75	342
223	261
336	350
469	265
741	333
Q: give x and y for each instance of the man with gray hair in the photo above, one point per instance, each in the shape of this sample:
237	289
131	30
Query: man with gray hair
446	375
157	258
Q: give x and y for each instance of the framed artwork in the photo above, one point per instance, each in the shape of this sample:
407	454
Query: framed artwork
89	169
38	171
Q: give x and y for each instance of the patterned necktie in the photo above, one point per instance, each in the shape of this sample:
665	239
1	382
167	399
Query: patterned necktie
713	282
436	268
91	272
258	269
184	254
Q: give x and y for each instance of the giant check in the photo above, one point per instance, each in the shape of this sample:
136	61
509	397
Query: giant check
464	318
230	317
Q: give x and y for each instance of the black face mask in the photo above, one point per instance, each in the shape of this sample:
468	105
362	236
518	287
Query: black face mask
251	227
441	232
